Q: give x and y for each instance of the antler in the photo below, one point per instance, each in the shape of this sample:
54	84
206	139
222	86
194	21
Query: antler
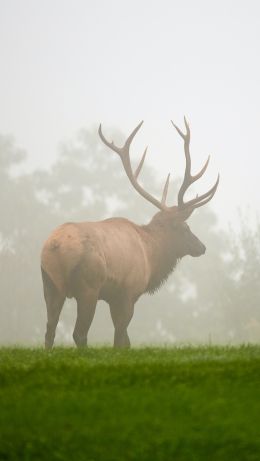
124	153
189	178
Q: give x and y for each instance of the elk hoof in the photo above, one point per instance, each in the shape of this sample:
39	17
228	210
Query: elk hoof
80	341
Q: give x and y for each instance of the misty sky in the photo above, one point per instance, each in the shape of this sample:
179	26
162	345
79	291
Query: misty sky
66	65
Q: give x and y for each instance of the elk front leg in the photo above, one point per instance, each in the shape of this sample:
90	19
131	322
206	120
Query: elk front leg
121	313
86	307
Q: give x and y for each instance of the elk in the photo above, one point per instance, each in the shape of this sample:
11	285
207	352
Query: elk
116	260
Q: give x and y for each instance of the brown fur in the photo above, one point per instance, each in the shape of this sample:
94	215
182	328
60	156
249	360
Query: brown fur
117	260
114	260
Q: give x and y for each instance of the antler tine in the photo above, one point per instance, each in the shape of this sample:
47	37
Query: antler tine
124	154
138	169
165	190
183	135
200	200
120	150
106	142
132	135
202	171
206	200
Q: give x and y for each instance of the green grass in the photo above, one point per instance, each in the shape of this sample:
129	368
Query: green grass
182	404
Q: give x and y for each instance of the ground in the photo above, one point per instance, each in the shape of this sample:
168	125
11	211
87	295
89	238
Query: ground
155	404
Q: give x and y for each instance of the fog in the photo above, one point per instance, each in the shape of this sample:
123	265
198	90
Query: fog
66	66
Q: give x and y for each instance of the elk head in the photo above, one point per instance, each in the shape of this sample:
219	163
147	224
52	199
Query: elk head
170	217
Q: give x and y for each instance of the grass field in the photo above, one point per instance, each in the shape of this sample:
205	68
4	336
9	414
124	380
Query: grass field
140	404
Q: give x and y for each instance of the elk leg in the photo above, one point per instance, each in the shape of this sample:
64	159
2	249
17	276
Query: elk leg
86	307
121	314
54	302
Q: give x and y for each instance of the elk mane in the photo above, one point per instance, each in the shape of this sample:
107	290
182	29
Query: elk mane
162	250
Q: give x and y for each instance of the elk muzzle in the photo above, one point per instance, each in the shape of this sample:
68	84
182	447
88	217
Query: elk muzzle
196	247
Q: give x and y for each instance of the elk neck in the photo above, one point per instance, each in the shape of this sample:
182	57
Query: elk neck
162	253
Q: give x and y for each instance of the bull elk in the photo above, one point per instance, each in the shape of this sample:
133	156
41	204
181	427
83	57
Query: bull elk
116	260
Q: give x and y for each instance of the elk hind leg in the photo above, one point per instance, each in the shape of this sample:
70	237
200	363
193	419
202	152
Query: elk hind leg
86	307
54	302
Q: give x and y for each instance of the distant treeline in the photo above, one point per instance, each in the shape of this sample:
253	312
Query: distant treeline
213	299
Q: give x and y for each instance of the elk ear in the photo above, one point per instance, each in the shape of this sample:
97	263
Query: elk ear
183	215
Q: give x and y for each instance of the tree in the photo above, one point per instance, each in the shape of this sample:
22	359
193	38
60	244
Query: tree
213	298
244	306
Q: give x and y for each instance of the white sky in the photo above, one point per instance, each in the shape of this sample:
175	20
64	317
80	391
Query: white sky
68	64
